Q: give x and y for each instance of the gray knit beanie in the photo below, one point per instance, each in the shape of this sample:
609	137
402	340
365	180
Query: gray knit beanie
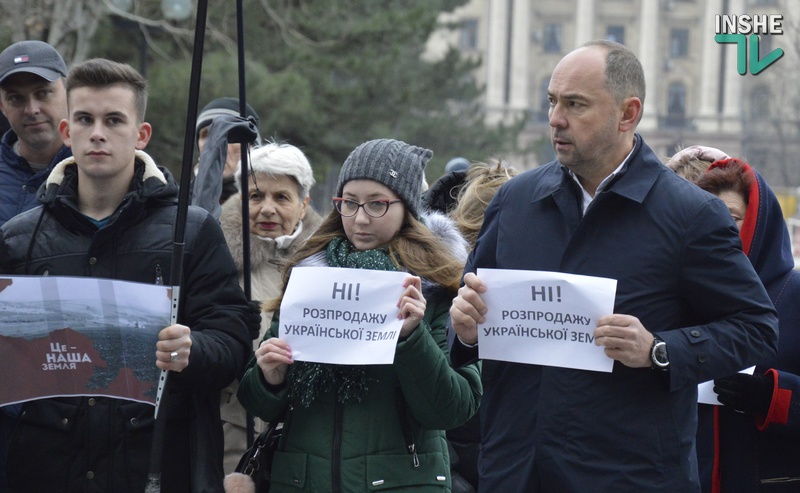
223	106
393	163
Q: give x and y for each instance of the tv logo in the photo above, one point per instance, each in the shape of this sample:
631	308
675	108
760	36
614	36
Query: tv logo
735	29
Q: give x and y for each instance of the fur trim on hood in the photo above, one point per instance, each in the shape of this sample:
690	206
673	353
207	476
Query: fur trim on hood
151	169
445	229
261	250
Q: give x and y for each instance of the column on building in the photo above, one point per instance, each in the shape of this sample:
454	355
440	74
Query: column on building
584	22
711	72
495	60
731	121
519	62
648	52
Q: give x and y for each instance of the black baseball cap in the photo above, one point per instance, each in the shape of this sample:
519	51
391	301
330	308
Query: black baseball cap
35	57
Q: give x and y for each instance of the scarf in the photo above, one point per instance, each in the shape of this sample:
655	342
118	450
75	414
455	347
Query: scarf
308	380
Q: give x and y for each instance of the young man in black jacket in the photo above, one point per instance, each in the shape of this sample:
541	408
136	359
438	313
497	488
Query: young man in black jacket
109	212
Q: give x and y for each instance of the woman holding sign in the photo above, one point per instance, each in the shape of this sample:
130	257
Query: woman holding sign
751	443
357	428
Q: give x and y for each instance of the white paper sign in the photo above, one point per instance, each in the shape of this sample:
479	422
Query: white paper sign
545	318
342	316
705	390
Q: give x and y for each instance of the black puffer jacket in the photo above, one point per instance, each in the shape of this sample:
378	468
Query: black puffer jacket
82	444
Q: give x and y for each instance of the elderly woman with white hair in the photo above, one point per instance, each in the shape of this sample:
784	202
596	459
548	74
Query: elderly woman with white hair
281	219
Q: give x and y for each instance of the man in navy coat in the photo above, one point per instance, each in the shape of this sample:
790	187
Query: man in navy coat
688	307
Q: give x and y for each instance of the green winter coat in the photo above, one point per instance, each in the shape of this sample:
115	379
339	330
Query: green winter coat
361	446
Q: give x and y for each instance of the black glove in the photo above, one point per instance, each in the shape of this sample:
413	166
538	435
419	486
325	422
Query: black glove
253	318
746	393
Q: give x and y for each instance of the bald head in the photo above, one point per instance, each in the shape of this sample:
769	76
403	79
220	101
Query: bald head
623	71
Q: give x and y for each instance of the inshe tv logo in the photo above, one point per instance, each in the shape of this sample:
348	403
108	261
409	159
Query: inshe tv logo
738	28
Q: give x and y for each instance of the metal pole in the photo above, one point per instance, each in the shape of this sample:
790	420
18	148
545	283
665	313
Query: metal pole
176	271
246	282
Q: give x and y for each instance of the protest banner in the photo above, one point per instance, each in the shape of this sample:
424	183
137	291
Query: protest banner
342	316
545	318
72	336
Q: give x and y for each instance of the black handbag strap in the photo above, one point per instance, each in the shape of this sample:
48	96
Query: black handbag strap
256	453
406	425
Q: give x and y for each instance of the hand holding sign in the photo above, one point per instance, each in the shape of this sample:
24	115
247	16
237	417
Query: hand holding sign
274	356
411	305
705	390
468	309
174	340
625	339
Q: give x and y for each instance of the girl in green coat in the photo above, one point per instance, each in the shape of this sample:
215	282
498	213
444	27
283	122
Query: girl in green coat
378	427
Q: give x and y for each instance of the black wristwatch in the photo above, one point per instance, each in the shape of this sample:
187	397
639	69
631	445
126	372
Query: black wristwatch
659	359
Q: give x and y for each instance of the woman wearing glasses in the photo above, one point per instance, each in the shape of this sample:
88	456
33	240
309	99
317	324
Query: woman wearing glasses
377	427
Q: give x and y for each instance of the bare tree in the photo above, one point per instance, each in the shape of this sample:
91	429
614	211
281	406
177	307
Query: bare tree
70	25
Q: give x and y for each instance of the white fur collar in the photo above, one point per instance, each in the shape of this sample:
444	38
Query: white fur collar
445	229
150	169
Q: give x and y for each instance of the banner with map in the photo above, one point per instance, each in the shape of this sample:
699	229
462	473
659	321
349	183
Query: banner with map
73	336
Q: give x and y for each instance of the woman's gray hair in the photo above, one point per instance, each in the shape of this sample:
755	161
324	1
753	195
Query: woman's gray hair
280	159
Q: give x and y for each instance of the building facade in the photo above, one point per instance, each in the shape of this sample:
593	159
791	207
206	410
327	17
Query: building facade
695	94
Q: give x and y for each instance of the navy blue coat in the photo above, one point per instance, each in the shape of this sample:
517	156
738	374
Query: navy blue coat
676	255
762	448
18	181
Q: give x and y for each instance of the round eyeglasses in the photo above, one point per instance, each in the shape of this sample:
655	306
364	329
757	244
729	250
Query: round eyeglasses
373	208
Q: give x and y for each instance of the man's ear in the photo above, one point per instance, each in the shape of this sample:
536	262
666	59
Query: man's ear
145	132
631	110
63	130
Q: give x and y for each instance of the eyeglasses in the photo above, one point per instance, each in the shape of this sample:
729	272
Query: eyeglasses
373	208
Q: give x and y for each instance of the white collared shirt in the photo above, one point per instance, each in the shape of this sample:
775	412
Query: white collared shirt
587	199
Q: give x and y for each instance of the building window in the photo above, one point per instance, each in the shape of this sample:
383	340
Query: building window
679	43
616	33
759	103
544	101
469	35
551	38
676	105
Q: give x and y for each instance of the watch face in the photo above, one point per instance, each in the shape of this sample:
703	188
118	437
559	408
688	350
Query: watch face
660	354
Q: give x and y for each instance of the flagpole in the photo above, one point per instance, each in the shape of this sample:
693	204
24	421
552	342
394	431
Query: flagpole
245	186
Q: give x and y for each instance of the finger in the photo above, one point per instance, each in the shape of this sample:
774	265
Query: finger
273	348
167	356
271	360
610	343
414	281
608	335
274	357
616	320
469	295
175	331
473	282
169	345
410	294
464	312
411	309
